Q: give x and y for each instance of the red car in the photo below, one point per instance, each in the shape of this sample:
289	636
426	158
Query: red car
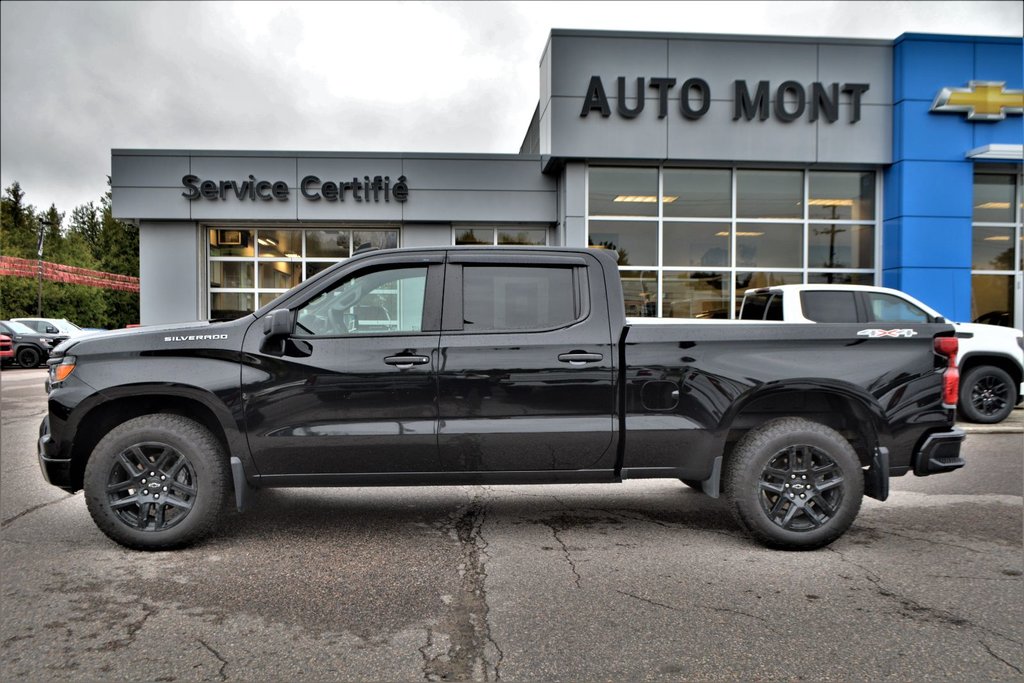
6	348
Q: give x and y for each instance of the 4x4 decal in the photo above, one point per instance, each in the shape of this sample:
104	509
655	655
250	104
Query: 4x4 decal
875	332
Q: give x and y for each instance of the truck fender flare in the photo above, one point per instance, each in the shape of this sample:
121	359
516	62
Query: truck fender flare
237	443
877	423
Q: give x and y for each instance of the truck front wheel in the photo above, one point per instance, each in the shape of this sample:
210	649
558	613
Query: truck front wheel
156	482
794	484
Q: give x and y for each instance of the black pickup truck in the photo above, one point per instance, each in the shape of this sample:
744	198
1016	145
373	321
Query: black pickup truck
493	366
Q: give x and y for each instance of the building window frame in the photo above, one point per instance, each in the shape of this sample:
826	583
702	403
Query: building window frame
1016	225
262	295
733	268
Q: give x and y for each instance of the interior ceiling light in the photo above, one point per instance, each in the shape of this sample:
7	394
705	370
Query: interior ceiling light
830	202
291	255
993	205
643	198
998	238
739	233
267	241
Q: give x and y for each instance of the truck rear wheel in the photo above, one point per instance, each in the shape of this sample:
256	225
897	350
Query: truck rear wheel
987	394
156	482
794	484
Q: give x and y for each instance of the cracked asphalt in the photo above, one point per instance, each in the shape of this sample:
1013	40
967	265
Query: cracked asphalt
646	580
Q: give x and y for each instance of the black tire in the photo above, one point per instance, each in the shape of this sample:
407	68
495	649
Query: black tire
987	394
29	357
694	484
794	484
173	504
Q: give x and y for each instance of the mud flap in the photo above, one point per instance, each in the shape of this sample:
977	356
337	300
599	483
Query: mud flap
241	485
876	477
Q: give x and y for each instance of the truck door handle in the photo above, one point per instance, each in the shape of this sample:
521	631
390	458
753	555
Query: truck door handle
406	362
579	358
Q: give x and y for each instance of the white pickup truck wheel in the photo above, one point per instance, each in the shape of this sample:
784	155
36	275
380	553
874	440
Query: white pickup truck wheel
794	484
986	394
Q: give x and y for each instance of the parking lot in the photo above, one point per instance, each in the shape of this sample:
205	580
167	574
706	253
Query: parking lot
645	580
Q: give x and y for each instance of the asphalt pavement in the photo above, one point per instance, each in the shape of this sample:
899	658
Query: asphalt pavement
645	580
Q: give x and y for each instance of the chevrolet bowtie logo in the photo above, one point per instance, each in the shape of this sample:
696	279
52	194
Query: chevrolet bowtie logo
982	100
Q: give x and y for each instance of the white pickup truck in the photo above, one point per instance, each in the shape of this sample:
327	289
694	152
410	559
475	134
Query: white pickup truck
991	358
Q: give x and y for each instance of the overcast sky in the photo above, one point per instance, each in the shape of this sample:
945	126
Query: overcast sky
81	78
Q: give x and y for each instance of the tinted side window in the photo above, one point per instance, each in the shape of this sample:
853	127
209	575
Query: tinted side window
892	309
753	307
829	307
375	302
517	297
774	310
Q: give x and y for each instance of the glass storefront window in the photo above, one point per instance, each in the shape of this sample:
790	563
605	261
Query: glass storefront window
230	274
512	236
840	278
266	261
841	196
769	245
280	274
696	244
635	242
314	267
738	225
623	191
992	248
374	239
279	243
640	292
232	242
230	305
697	193
992	299
695	295
328	244
993	198
769	194
997	246
474	236
836	245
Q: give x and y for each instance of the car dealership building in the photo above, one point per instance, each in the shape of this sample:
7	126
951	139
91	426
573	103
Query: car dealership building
709	163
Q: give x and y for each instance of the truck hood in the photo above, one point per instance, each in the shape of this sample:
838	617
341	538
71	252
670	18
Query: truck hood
156	337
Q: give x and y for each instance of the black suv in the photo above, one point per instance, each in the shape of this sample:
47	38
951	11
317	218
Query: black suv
30	347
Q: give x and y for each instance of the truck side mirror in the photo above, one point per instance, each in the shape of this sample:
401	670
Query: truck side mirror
276	329
939	319
278	324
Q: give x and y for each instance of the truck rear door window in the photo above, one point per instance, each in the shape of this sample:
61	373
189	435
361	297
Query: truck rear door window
518	297
829	307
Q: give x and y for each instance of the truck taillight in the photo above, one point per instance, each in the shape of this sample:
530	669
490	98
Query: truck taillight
948	347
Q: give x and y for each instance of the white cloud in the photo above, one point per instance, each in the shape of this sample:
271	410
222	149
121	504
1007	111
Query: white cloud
77	79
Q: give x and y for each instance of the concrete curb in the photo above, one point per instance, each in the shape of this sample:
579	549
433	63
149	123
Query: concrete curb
1011	425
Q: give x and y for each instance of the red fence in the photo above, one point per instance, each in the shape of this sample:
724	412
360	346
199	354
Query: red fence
58	272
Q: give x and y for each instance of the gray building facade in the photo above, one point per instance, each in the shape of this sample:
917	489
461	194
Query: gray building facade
710	164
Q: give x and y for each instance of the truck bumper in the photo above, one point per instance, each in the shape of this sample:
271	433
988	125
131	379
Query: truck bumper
939	452
56	471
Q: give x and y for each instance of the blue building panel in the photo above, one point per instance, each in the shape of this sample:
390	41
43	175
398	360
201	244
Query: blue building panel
927	231
923	65
930	137
935	189
947	290
934	242
1000	62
